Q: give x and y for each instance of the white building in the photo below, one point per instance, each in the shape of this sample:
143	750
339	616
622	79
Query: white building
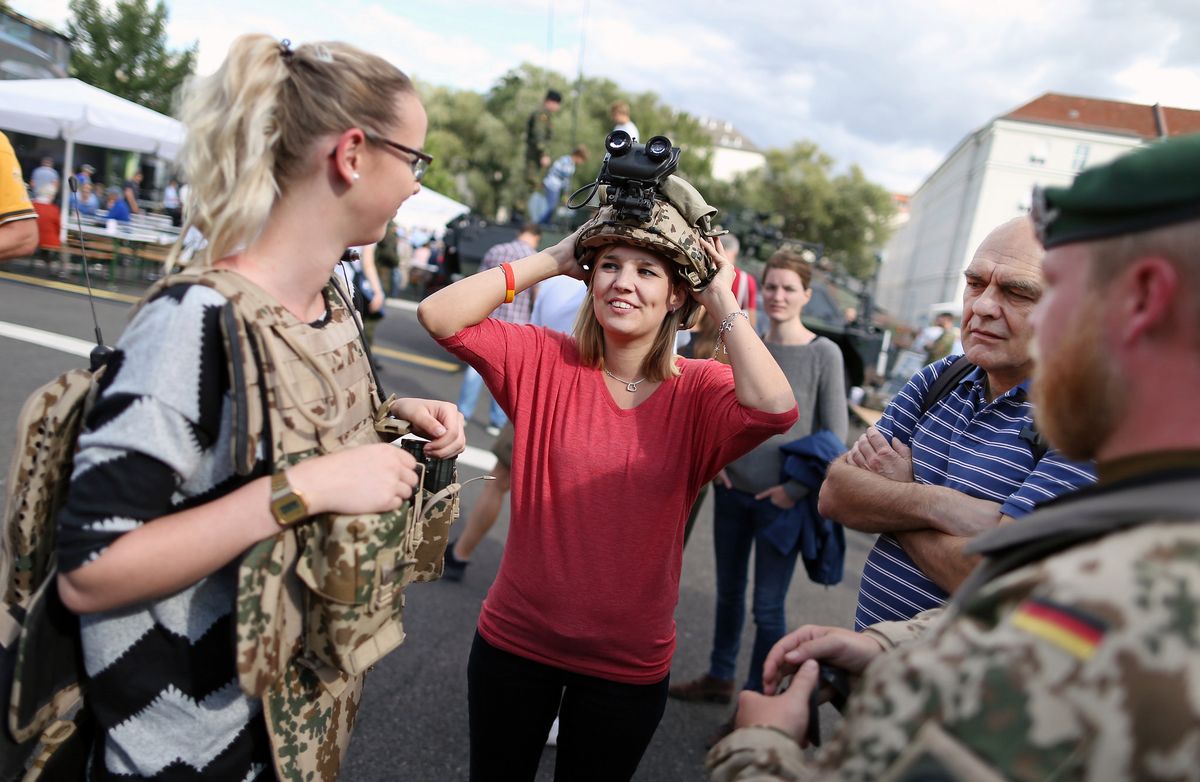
988	178
733	153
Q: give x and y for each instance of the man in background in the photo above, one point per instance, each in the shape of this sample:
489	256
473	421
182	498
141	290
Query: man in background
518	311
133	191
619	111
539	129
18	220
745	289
1072	652
558	180
932	474
45	174
941	338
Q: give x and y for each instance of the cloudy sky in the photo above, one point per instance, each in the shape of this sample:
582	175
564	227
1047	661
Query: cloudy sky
891	85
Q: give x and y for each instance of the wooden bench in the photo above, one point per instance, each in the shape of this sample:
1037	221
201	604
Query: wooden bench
154	255
94	248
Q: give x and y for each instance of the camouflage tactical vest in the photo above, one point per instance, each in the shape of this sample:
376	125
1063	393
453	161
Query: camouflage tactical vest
321	602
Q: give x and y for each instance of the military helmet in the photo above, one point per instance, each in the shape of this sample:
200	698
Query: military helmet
666	233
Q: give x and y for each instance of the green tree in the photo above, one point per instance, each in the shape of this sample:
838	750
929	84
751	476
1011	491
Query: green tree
797	196
860	221
479	141
123	49
479	145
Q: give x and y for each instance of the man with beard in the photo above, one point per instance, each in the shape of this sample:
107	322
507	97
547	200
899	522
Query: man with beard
1073	652
944	465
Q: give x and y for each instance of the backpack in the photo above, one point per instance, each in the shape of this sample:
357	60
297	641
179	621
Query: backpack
946	382
47	729
49	733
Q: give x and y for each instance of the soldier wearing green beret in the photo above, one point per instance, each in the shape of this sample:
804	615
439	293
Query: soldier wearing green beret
1073	651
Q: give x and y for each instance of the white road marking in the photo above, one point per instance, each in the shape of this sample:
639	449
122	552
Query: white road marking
471	457
46	339
478	458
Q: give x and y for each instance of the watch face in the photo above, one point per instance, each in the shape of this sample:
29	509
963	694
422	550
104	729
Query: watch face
291	508
287	506
288	509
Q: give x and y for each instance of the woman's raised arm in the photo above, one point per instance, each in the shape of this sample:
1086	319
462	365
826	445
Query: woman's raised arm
758	380
473	298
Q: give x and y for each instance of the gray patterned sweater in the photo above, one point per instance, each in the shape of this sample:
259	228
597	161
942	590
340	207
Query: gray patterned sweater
163	684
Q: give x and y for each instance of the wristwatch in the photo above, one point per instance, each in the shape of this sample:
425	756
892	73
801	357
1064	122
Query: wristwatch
287	504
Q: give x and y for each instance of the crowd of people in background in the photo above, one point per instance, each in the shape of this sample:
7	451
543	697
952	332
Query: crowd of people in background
1032	487
118	202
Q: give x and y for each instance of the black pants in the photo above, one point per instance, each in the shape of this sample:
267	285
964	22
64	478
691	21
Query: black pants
604	726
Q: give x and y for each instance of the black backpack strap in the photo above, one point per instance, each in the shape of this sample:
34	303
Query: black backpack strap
946	382
951	376
1037	441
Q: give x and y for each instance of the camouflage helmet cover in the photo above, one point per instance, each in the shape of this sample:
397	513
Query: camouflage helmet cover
666	233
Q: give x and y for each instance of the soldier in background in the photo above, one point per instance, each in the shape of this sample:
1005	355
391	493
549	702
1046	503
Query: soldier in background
1072	651
538	130
944	343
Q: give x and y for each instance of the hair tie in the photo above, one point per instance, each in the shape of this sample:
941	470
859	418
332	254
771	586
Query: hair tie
285	50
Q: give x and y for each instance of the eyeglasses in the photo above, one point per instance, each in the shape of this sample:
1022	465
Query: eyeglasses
420	160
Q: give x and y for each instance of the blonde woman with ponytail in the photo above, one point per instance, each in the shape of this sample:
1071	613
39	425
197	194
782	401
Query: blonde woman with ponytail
293	155
614	435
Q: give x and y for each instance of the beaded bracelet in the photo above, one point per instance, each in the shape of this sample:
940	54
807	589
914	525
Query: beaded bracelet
727	325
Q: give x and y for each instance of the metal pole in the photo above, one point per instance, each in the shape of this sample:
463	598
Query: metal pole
550	36
579	76
64	190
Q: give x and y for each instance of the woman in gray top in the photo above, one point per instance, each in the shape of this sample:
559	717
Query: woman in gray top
749	495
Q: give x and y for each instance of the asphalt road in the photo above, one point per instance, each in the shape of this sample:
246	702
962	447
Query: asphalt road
413	723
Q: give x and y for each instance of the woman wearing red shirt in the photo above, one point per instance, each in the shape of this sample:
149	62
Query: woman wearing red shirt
614	437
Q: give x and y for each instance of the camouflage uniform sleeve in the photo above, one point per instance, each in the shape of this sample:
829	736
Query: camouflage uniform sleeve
893	634
757	754
1081	666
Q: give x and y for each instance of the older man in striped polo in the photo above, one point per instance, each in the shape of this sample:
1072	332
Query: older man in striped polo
929	481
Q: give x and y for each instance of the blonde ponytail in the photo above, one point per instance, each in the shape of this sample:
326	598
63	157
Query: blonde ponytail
251	126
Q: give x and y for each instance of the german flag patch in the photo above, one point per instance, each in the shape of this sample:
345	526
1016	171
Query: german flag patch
1076	633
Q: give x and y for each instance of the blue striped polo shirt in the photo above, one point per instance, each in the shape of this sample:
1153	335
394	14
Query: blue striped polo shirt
968	444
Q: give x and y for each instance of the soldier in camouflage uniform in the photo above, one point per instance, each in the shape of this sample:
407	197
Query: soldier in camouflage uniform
231	537
1073	652
538	130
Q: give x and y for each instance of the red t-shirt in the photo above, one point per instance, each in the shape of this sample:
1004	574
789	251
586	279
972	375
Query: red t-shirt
600	498
49	220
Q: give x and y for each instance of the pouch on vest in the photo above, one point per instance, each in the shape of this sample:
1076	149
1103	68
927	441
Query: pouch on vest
355	568
434	508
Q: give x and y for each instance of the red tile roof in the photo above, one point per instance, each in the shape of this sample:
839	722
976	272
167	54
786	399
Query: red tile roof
1134	119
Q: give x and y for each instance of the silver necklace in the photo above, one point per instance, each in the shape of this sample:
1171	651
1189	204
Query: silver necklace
630	385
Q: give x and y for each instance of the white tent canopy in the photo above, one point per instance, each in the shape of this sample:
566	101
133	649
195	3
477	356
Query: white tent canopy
82	114
79	113
429	210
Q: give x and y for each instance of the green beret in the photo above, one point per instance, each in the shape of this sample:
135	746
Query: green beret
1153	186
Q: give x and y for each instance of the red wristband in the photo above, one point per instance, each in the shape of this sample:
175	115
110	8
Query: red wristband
510	282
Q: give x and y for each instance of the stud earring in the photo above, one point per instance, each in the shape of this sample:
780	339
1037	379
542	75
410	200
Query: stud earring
354	176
